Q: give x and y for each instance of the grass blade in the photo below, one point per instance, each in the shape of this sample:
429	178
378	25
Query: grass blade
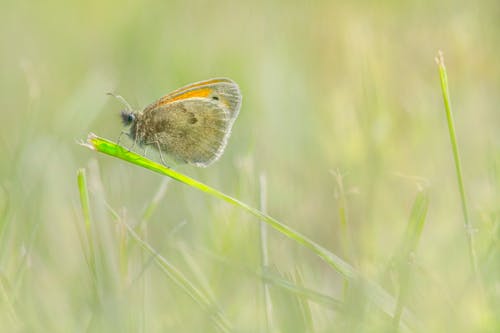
375	292
409	246
458	167
87	218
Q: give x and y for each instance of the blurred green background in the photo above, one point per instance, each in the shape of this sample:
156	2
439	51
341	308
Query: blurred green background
329	88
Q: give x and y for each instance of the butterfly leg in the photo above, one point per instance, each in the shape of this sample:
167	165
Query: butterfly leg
120	137
161	155
133	145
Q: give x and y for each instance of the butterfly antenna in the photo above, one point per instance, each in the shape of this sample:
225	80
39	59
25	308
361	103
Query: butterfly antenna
121	99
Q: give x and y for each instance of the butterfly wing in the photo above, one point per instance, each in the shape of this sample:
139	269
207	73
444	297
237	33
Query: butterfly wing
193	130
220	90
192	123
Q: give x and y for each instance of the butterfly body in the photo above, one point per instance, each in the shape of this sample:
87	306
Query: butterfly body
191	124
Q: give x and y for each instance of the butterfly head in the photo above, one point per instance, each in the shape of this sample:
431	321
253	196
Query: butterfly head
128	117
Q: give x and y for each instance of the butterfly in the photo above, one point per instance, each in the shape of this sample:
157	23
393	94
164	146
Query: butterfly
191	124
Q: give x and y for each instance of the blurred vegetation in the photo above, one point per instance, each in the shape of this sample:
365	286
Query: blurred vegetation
343	114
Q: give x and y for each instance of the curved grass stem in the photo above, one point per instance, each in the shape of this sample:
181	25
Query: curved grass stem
375	293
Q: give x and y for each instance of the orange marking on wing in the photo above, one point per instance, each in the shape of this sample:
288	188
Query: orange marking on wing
202	92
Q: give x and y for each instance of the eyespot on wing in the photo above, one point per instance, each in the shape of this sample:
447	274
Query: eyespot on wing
197	131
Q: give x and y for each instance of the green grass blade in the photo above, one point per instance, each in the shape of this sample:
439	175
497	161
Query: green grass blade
409	246
376	293
346	243
84	197
458	167
110	148
87	218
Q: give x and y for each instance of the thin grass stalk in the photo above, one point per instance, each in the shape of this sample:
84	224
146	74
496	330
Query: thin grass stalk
458	166
344	224
407	251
